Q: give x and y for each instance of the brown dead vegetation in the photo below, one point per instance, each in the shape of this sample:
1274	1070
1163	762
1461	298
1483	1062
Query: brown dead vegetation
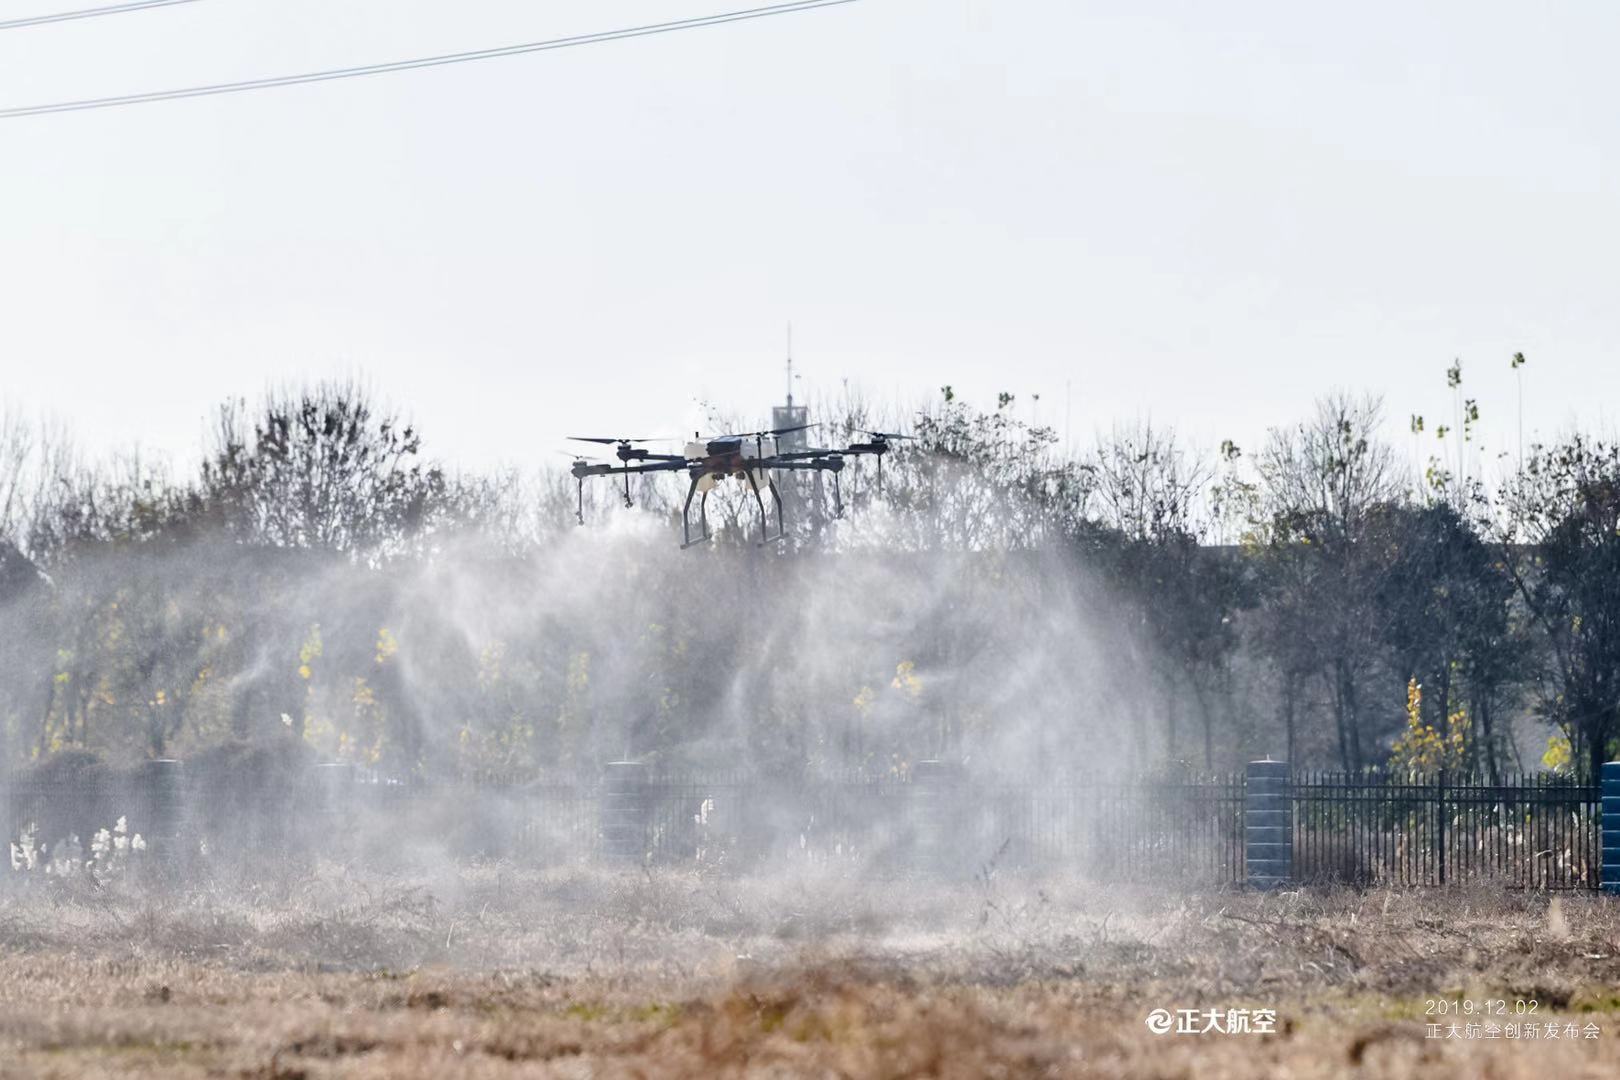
492	972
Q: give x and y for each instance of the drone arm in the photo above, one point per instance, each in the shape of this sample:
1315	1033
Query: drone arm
803	455
582	469
810	461
672	464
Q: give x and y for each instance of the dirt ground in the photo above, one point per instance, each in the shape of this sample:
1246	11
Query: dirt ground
487	971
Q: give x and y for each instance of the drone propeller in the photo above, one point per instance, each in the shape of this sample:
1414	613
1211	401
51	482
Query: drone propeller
768	434
885	436
613	442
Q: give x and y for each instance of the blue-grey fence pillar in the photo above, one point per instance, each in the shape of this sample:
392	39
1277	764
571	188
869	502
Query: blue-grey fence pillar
625	809
1611	827
936	790
334	786
164	805
1268	825
333	783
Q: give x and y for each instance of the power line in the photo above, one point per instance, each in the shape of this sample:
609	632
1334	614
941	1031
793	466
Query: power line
89	13
423	62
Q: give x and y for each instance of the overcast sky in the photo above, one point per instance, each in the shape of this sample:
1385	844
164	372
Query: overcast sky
1206	213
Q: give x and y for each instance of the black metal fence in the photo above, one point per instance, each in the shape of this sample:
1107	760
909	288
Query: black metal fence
1141	831
1528	831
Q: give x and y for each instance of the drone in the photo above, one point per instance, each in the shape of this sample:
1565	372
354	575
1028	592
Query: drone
739	457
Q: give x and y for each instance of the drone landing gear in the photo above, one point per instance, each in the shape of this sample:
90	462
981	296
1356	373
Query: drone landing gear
686	517
765	536
776	497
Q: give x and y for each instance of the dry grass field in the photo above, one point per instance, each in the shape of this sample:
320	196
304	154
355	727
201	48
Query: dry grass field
488	971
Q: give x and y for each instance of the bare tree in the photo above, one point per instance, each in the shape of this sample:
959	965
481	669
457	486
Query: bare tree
321	469
1149	494
1321	483
1562	547
1146	485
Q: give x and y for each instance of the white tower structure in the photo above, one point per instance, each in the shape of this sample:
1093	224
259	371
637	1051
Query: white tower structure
792	484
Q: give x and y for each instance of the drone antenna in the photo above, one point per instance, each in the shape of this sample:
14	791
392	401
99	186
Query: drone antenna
790	365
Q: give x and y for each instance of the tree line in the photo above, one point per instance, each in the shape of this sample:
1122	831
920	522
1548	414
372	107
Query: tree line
320	581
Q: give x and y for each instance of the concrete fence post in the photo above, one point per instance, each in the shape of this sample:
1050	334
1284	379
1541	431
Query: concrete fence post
1268	825
165	804
334	801
334	786
1610	794
936	798
625	810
